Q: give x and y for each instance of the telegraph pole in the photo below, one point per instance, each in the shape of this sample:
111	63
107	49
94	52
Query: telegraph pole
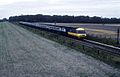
118	32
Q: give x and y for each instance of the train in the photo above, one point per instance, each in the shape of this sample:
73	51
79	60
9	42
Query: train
73	32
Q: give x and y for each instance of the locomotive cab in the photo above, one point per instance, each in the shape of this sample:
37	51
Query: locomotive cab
78	32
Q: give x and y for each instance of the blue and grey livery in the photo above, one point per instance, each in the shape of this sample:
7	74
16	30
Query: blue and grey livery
75	32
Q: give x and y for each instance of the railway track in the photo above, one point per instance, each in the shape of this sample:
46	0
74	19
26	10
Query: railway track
99	46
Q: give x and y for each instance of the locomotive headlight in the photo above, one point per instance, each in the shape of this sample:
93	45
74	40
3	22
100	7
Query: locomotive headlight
84	35
81	35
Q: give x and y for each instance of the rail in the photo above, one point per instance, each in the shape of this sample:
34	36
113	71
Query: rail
107	48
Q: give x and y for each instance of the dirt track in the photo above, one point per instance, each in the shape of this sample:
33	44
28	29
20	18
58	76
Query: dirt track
24	54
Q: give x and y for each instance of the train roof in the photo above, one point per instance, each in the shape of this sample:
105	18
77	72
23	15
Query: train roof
80	29
77	28
62	26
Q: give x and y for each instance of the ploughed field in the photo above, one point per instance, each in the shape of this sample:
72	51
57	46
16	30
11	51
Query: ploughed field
25	54
98	30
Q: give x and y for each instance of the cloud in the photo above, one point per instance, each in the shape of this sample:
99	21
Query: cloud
6	2
102	8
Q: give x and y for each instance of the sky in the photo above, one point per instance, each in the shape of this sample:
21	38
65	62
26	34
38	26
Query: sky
101	8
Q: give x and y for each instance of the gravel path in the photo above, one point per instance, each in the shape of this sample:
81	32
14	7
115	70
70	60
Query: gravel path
24	54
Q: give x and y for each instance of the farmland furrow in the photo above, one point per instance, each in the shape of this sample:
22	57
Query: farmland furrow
63	59
5	57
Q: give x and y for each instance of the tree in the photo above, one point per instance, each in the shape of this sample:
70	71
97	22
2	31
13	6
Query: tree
4	19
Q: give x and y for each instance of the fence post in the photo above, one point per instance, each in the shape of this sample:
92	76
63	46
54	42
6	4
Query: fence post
83	47
118	32
98	52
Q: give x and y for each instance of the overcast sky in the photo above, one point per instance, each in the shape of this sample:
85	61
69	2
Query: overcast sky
102	8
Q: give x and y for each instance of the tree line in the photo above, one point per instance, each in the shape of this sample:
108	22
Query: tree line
63	19
1	20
